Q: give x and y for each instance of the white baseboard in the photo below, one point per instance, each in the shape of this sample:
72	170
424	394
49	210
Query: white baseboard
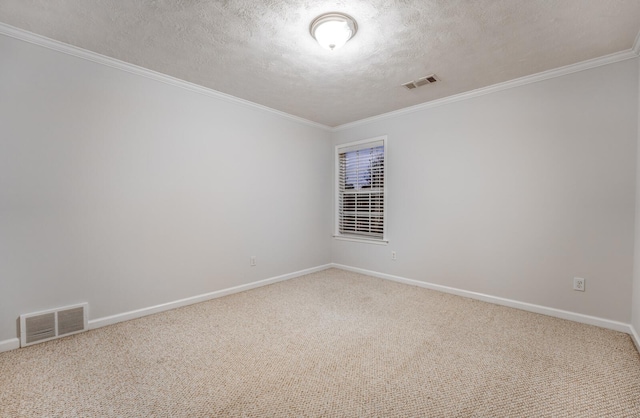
14	343
138	313
635	337
557	313
8	345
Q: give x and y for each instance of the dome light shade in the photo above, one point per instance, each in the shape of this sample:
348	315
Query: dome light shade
333	30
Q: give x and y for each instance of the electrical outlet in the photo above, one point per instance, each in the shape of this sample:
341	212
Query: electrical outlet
252	261
578	284
393	255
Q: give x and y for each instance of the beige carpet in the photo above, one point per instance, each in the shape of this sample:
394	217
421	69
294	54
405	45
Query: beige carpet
332	343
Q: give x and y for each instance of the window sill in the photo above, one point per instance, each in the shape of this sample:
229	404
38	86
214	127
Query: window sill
363	240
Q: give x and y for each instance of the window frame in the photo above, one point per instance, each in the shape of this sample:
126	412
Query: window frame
385	189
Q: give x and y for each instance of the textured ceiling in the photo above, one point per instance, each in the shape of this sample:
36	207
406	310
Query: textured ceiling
261	51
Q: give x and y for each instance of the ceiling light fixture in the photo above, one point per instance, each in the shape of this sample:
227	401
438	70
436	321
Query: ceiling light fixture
332	30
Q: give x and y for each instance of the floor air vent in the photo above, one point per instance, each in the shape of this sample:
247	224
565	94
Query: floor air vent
55	323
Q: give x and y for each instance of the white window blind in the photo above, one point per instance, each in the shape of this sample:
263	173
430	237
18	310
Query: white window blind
361	190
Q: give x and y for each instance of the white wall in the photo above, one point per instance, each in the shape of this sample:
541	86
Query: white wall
514	193
125	192
635	320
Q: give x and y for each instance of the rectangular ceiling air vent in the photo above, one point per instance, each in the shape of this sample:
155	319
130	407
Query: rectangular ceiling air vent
410	85
429	79
43	326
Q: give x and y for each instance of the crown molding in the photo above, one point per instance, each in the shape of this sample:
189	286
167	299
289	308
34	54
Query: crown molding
58	46
529	79
75	51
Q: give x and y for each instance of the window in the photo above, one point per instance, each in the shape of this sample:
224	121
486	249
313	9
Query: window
360	190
